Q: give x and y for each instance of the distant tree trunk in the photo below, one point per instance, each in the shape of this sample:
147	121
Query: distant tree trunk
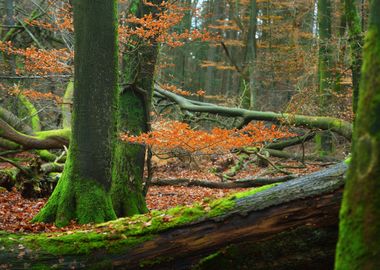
82	192
356	44
9	21
212	53
359	231
325	76
250	57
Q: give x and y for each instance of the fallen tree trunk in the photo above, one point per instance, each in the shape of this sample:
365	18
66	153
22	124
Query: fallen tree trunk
338	126
293	225
240	183
299	156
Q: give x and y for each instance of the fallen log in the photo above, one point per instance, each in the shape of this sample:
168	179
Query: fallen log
293	225
338	126
52	139
239	183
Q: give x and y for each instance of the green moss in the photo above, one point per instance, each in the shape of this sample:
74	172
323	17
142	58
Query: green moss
209	258
76	198
64	133
31	112
46	155
66	105
157	221
70	243
155	261
39	266
221	206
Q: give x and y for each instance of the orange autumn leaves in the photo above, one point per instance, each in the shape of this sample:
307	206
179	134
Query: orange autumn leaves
33	94
174	89
150	27
157	27
40	61
174	135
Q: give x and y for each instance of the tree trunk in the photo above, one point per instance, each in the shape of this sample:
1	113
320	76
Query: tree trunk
359	231
289	226
83	190
325	65
356	44
134	109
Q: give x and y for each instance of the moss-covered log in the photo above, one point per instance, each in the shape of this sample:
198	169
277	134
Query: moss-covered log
41	140
292	225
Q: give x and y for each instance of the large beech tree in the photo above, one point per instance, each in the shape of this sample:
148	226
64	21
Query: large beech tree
359	231
83	190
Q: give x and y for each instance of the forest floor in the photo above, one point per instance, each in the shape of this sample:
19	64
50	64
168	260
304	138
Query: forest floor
16	211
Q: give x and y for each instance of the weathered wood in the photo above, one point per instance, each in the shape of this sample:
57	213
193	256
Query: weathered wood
290	226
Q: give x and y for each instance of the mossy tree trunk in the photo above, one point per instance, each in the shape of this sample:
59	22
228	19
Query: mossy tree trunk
356	43
83	190
134	108
359	231
325	76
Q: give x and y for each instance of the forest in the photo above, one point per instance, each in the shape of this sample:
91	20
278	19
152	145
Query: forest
190	134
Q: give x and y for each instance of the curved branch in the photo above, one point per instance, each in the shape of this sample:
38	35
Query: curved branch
52	139
14	121
338	126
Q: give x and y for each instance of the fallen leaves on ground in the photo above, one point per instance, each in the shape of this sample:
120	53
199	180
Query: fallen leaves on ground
16	212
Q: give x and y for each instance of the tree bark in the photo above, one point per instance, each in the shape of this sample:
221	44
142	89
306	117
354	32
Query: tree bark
289	226
356	43
82	192
359	228
325	74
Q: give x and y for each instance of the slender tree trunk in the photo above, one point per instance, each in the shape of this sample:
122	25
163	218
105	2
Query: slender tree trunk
9	20
325	75
251	55
359	231
356	44
83	190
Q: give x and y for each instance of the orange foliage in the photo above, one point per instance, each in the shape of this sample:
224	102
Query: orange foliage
41	62
179	91
174	135
63	19
157	27
34	95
